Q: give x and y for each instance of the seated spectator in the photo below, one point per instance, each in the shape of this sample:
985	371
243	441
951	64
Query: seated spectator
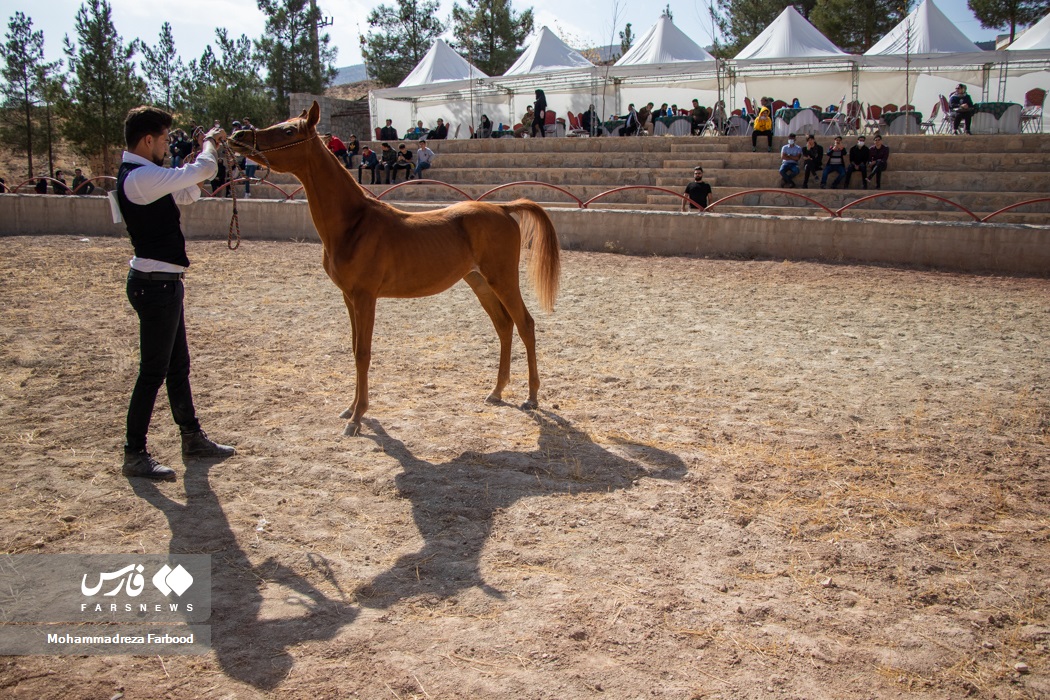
630	123
763	126
859	156
369	162
180	148
674	111
417	132
336	146
439	132
81	185
403	162
526	123
697	191
353	148
388	132
962	108
812	160
589	121
698	115
645	122
485	128
387	161
664	111
58	185
879	159
836	164
424	157
41	186
790	155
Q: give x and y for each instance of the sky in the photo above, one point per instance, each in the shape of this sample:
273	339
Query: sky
580	24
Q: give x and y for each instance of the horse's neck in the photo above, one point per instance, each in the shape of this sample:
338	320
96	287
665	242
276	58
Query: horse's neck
335	199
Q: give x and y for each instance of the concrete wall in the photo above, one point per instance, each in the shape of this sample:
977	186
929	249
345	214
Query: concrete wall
1006	248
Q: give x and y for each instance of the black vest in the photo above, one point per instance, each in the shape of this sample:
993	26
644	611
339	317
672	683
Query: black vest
154	228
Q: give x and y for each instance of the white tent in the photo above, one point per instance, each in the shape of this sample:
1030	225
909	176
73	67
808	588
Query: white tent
926	30
547	53
441	64
1037	37
664	43
790	36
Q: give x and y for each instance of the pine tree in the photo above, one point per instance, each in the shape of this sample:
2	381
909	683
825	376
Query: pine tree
164	70
226	86
103	84
402	38
1000	14
25	80
490	33
296	57
626	39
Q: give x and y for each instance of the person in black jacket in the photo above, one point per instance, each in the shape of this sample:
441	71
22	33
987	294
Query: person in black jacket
388	132
387	161
148	196
859	156
812	160
539	114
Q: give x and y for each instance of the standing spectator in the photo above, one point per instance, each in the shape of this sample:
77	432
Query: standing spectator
424	157
181	148
439	132
41	186
58	184
763	126
880	160
387	161
962	108
369	162
697	191
836	164
630	122
3	186
790	155
388	132
250	168
403	162
589	121
859	156
246	123
353	148
337	147
81	185
812	160
148	197
539	115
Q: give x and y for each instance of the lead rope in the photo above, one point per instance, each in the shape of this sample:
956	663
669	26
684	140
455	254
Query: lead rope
233	236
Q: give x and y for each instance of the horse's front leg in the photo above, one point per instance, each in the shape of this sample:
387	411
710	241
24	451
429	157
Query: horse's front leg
353	347
364	316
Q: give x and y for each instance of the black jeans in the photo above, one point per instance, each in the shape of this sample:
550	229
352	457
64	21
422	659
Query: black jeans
164	357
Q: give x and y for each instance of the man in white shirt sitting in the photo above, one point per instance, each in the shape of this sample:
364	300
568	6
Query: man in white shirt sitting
148	195
424	156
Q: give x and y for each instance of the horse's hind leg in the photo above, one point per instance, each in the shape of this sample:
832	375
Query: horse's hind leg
504	329
353	348
505	287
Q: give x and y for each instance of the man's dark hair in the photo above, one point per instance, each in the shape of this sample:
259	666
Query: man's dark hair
698	168
143	121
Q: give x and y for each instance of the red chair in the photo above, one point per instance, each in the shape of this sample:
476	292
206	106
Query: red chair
574	126
854	115
947	116
377	134
873	122
931	122
890	108
747	105
908	108
1032	114
550	123
778	104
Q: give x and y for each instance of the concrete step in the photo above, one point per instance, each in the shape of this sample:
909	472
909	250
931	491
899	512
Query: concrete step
630	159
946	162
929	181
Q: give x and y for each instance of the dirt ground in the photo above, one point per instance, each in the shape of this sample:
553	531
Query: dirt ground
747	479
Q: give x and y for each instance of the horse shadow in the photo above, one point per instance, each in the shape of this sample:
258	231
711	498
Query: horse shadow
454	504
248	648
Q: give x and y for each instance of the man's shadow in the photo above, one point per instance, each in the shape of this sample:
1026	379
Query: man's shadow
454	504
248	649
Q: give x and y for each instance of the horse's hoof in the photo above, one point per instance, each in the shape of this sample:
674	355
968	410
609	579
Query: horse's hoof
352	429
530	405
494	398
347	413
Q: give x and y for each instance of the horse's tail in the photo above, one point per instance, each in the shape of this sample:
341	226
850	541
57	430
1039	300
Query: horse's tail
538	234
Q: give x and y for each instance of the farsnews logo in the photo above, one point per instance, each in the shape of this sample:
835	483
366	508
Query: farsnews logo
129	578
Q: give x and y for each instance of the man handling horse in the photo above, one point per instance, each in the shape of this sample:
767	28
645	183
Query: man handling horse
148	195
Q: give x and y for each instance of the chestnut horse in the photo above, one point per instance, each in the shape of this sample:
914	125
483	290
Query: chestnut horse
373	250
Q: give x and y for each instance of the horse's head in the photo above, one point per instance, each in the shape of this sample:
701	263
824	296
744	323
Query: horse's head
281	146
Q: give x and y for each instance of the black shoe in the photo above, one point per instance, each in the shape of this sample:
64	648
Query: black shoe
198	445
141	464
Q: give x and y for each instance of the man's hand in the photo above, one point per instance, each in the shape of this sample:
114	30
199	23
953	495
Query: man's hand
216	135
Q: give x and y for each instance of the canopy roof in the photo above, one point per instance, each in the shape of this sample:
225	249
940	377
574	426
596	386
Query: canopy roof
664	43
441	64
790	36
1037	37
547	53
931	32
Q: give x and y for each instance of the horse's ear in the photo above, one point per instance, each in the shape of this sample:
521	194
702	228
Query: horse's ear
315	114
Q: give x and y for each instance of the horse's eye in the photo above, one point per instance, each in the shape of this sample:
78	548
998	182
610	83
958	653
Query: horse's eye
290	131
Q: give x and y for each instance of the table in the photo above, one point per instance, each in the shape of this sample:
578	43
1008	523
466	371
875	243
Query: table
504	134
911	123
676	126
789	120
996	118
612	127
